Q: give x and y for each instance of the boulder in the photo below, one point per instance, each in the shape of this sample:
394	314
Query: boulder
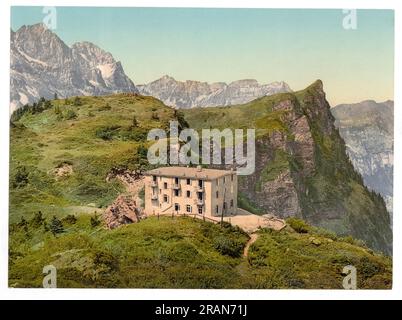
123	210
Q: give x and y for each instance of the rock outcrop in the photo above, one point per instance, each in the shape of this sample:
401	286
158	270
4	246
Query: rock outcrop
123	210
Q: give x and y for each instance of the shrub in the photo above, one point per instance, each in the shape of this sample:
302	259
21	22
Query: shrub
23	224
106	133
142	152
105	107
70	115
37	220
95	221
228	246
70	219
20	177
298	225
77	101
56	226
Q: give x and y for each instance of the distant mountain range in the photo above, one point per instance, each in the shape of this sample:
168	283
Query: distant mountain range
42	65
368	130
190	94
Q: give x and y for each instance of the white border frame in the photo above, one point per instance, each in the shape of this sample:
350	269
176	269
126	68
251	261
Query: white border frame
183	294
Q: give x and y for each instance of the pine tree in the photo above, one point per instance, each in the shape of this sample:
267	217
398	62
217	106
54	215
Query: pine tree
56	226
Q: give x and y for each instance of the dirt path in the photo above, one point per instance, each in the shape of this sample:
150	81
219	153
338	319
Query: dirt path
253	238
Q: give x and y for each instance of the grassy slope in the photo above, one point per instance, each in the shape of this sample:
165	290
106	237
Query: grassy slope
128	256
184	253
41	142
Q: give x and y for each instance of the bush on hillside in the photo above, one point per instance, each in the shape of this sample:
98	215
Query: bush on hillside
56	226
69	219
298	225
228	246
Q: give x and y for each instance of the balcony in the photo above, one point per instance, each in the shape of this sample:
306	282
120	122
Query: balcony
153	184
154	197
199	202
176	186
199	188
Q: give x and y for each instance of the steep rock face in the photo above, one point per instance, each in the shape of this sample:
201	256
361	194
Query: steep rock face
301	165
42	65
318	176
191	94
367	128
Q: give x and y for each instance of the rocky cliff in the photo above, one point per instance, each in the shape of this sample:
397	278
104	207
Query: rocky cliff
190	94
302	168
42	65
368	130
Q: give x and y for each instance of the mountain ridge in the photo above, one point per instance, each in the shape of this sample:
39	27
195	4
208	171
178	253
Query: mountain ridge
191	93
368	130
42	65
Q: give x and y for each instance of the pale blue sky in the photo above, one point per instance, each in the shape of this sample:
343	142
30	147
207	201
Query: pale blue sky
297	46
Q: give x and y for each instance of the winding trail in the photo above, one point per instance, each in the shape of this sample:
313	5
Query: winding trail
253	238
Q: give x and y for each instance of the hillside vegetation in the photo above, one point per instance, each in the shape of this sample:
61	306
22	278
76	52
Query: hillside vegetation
91	135
187	253
62	151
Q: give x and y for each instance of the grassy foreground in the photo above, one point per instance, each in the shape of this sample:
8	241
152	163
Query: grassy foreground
187	253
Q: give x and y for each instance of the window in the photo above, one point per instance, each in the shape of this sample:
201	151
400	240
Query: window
176	192
199	209
176	180
188	193
165	185
165	198
217	194
176	207
231	203
224	179
200	183
160	191
231	177
188	182
154	178
188	208
217	209
224	206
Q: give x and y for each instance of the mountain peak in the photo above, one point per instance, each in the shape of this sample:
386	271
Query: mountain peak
34	27
42	64
191	93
